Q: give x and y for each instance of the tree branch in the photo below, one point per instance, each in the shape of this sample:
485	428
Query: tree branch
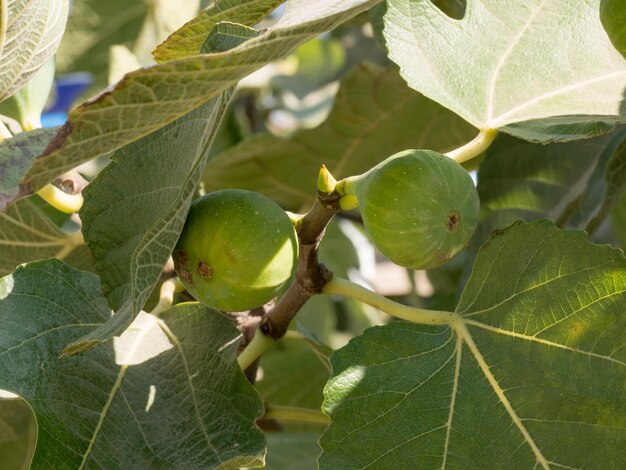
311	276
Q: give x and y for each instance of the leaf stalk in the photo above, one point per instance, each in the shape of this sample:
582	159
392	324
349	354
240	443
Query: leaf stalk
345	288
474	147
293	413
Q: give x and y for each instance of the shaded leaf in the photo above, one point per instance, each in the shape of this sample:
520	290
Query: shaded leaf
189	39
16	156
529	373
168	393
613	16
136	207
292	451
318	317
509	62
150	98
618	221
163	19
310	67
337	250
30	34
357	135
520	180
605	185
92	28
18	434
27	234
453	8
293	375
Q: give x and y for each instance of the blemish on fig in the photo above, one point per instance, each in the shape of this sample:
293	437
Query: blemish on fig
181	261
453	219
205	270
443	256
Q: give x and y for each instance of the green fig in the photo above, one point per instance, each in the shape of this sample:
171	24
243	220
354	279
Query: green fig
236	251
419	208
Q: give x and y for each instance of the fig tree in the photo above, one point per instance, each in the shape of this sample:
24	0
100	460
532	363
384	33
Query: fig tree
237	249
419	208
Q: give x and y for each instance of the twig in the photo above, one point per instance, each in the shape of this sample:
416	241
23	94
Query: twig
311	276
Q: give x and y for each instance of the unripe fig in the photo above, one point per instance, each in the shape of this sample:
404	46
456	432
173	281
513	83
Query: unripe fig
419	208
237	249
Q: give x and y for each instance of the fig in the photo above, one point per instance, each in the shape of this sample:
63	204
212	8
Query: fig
236	251
419	208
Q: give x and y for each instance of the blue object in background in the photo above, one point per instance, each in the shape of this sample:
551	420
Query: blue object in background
66	89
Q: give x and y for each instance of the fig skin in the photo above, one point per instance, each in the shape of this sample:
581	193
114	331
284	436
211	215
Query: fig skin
419	207
236	251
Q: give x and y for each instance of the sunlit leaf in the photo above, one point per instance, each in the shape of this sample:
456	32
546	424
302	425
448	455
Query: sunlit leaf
27	104
153	97
30	31
167	394
189	39
507	62
529	373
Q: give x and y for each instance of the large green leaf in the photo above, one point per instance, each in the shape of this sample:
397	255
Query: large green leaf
16	156
511	61
27	234
136	207
189	39
30	31
167	394
529	372
358	134
150	98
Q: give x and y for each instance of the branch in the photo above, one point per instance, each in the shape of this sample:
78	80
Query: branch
311	276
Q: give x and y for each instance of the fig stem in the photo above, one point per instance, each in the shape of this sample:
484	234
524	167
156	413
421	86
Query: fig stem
294	413
259	344
59	199
345	288
166	295
474	147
